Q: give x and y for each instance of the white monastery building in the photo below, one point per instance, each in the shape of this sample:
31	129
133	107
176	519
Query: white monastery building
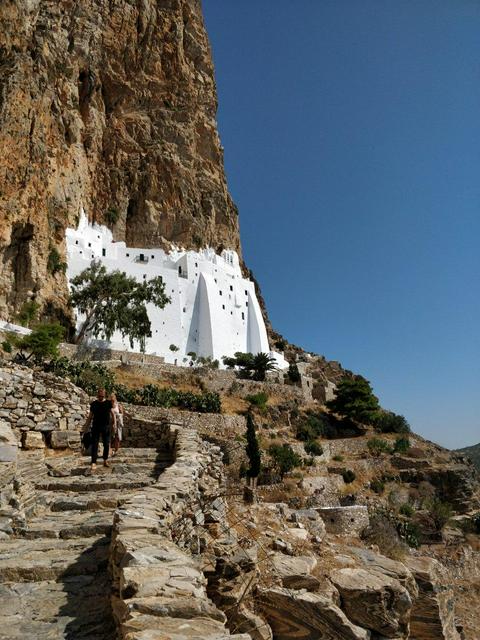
213	312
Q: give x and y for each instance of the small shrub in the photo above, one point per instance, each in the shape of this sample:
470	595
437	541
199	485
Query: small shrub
55	263
389	422
28	313
406	510
173	347
376	446
410	533
348	476
382	531
284	458
402	445
280	344
314	448
112	215
338	458
377	485
7	346
440	513
258	400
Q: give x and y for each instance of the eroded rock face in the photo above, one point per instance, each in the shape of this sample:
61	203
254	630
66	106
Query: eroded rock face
109	105
433	613
310	616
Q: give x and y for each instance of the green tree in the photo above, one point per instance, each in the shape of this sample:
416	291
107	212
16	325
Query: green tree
284	458
293	373
354	399
254	367
41	344
252	449
115	302
389	422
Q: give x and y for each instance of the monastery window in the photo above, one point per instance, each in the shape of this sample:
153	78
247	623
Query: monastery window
196	264
246	304
153	257
220	292
215	279
104	252
223	306
231	288
243	316
231	313
128	255
81	251
89	244
76	241
184	310
246	292
144	276
98	237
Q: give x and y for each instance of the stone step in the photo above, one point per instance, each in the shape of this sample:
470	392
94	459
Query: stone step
68	524
97	482
98	501
75	607
51	559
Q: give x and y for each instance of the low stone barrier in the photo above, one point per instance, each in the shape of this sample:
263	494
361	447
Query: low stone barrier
349	520
158	588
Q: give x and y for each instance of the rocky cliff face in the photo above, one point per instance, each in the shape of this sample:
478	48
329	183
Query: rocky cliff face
109	104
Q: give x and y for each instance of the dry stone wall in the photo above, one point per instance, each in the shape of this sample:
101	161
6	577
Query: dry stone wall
41	408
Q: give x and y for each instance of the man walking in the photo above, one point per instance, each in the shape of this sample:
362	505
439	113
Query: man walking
99	418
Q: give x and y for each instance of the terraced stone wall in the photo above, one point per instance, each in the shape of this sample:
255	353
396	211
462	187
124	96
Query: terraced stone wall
42	409
345	520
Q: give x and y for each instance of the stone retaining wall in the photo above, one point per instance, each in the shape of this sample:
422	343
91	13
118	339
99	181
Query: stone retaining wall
157	585
345	520
41	408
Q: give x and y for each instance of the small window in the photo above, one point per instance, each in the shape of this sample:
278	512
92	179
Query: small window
76	241
81	251
220	292
153	256
104	252
215	279
196	264
231	313
223	306
243	316
184	310
142	257
231	288
246	292
144	276
128	255
246	304
89	244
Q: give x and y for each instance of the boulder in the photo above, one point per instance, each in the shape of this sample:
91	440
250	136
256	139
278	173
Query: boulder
245	621
310	616
392	568
294	571
374	600
8	443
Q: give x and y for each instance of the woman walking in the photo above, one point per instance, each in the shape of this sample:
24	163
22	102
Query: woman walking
117	423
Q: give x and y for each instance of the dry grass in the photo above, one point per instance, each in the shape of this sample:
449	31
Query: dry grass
135	380
234	404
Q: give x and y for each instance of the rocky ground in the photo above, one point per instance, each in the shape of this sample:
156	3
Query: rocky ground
144	551
54	580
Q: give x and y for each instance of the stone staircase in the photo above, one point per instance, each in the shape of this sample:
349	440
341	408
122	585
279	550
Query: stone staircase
54	580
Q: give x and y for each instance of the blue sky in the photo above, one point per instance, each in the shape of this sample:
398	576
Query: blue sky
352	148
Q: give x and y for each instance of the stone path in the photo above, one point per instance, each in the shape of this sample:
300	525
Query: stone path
54	581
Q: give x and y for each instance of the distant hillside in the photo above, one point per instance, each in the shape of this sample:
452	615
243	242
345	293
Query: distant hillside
472	452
